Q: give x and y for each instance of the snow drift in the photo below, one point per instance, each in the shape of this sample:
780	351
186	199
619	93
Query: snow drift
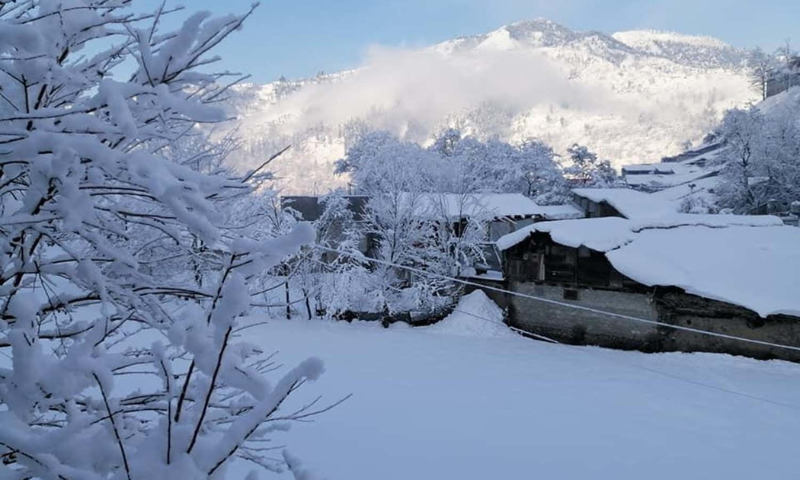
476	315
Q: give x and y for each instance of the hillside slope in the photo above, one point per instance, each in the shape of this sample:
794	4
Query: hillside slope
632	96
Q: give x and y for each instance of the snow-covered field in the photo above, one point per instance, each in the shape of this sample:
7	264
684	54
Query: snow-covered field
466	400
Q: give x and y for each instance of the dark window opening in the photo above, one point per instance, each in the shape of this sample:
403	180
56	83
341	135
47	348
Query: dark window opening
570	294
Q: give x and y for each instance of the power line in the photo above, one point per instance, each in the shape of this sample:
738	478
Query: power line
552	341
515	329
640	367
561	304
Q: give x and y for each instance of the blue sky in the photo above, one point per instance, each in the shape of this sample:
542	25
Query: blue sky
298	38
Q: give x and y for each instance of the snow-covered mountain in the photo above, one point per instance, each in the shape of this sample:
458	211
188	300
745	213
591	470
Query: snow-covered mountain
632	96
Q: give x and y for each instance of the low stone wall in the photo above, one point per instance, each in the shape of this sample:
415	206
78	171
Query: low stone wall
580	327
678	308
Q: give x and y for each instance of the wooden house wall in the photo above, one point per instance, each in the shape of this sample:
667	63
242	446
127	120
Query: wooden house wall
593	209
539	259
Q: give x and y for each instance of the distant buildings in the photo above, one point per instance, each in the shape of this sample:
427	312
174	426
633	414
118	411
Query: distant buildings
783	79
631	253
683	169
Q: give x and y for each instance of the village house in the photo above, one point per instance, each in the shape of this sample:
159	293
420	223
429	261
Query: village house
734	275
781	80
694	175
310	209
502	213
619	202
629	253
688	167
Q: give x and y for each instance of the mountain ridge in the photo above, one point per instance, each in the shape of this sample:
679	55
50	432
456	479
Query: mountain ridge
632	96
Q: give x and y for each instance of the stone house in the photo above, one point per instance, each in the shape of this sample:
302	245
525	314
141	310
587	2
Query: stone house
733	275
311	207
502	213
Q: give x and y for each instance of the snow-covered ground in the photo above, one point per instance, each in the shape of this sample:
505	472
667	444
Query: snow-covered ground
458	401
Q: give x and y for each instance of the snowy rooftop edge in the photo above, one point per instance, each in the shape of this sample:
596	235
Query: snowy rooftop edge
577	232
711	256
630	203
497	204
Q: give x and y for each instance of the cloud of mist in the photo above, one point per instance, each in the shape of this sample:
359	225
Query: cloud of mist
399	87
630	112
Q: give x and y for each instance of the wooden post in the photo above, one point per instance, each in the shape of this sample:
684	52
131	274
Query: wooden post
288	306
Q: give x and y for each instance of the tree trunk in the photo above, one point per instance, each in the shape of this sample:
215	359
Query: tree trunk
288	306
308	305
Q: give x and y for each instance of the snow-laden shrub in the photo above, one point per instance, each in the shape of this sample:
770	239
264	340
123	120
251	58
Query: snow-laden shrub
422	212
760	164
698	205
123	274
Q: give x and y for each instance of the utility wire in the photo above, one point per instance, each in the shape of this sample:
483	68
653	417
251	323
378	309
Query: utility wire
578	307
556	302
640	367
514	329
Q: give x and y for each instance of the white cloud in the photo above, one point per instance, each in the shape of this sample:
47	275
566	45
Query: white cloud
398	86
628	108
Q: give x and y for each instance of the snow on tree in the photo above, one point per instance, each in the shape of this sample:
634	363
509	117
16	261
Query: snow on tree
760	163
784	70
122	283
541	176
490	166
397	220
763	68
402	236
331	282
697	204
454	163
743	132
378	161
410	218
446	142
587	170
426	232
459	227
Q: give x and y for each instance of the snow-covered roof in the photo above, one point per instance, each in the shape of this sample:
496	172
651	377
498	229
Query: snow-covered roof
679	192
639	167
703	188
630	203
559	212
751	261
496	205
659	180
601	234
460	205
668	174
756	268
607	233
